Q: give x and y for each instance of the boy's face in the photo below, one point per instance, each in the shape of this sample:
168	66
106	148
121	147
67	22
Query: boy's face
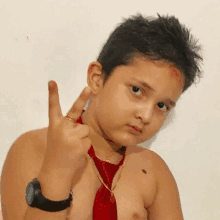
124	101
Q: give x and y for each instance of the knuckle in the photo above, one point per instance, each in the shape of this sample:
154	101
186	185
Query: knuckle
52	103
84	130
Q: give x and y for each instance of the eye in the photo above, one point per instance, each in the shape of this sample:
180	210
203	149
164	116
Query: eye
135	89
162	105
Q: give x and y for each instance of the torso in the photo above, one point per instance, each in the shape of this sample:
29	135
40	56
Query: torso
134	190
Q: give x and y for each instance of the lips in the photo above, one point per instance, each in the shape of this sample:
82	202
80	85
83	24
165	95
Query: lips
136	128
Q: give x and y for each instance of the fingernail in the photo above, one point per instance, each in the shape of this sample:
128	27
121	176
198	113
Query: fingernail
51	86
54	85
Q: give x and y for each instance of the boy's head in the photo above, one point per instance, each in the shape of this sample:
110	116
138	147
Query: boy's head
157	52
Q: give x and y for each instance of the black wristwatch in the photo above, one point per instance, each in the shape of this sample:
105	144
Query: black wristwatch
34	198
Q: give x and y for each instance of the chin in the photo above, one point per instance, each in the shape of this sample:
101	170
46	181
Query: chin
122	139
128	142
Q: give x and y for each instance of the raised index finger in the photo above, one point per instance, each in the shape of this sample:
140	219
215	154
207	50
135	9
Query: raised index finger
76	110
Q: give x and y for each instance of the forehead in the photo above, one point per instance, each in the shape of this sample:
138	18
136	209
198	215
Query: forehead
162	77
157	69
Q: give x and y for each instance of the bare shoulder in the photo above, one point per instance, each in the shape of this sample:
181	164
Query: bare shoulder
166	203
23	162
156	160
150	156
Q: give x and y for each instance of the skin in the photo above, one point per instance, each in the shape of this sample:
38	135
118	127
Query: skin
116	105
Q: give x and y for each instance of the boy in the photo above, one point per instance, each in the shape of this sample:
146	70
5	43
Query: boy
88	164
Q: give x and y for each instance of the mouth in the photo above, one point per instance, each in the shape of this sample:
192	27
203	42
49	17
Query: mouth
134	130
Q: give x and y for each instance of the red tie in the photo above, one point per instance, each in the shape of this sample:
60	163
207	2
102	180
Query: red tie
105	204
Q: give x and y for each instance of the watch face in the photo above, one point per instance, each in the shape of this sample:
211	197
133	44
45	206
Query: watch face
30	193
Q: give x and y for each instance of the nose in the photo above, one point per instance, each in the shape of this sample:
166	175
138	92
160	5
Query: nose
146	113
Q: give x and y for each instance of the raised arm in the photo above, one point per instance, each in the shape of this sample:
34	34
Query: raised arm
67	143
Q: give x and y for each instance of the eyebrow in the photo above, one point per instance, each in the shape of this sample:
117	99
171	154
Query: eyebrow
143	83
147	86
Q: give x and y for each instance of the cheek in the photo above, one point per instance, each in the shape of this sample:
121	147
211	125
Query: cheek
122	100
157	123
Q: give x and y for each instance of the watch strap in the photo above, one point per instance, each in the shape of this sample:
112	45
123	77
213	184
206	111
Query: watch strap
53	206
45	204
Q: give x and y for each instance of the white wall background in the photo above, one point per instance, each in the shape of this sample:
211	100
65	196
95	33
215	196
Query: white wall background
56	40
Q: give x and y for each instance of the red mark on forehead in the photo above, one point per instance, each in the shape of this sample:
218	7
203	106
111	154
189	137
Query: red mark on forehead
177	75
173	73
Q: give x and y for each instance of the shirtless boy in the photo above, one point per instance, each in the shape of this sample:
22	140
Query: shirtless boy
140	74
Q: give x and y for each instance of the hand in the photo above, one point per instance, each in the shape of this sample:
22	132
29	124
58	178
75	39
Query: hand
67	141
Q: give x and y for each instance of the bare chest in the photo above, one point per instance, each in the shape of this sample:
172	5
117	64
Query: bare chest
134	190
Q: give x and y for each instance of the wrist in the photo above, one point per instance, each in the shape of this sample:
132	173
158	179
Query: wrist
54	186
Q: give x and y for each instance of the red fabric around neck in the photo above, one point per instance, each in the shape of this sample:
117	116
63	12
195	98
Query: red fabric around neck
104	207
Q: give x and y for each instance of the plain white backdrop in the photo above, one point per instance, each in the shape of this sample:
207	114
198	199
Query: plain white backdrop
56	40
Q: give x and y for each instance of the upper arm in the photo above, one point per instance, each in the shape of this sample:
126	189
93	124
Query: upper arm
22	164
166	204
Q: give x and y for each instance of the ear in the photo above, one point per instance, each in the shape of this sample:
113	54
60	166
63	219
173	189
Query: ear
95	76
